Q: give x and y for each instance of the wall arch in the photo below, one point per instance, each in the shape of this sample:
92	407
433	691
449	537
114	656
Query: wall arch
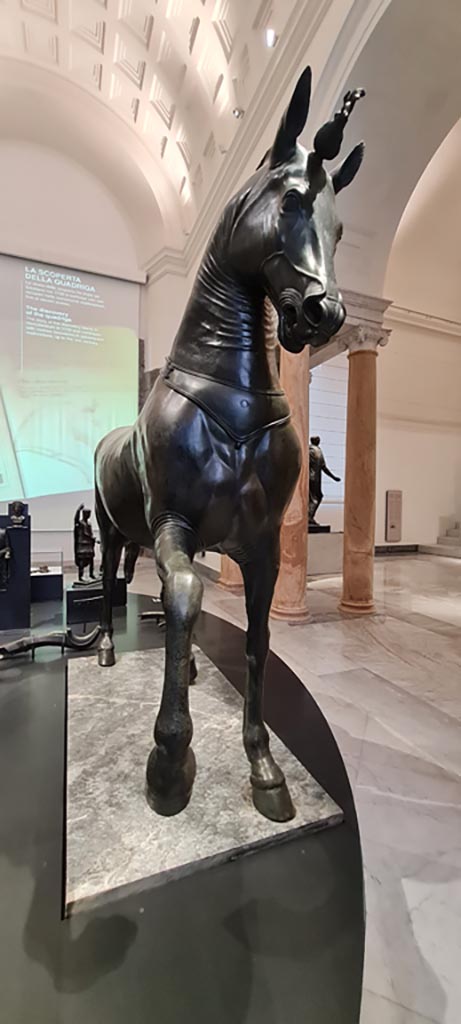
80	127
410	67
54	210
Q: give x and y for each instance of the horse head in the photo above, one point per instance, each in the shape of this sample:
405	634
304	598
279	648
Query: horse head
285	226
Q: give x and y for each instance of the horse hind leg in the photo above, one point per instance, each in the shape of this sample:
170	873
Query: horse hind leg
171	765
112	546
271	796
129	562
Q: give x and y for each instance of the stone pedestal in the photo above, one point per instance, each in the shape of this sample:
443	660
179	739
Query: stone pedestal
325	554
114	840
290	599
360	485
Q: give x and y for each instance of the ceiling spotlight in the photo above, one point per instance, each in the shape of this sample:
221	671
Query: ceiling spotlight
238	112
271	38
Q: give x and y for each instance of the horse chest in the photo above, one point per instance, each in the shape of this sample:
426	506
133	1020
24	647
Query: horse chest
248	488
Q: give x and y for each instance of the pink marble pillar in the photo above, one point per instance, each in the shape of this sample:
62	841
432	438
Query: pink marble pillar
231	576
290	598
360	487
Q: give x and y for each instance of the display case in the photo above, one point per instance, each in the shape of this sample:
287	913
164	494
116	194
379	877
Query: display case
46	576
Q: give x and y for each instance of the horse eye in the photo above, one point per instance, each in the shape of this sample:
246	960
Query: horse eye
292	201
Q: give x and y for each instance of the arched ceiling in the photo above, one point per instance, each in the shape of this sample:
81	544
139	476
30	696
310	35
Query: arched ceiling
424	268
167	74
411	69
68	120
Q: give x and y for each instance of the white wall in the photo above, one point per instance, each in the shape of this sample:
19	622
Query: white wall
419	431
163	304
419	372
54	210
327	418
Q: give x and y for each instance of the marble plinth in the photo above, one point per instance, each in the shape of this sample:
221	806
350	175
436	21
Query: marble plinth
325	553
113	838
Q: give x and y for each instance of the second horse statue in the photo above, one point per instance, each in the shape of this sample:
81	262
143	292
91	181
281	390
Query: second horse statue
213	460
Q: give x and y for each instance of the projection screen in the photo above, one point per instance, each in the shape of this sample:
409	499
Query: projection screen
68	374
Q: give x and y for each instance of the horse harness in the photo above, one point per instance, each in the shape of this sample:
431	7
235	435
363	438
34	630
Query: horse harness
244	415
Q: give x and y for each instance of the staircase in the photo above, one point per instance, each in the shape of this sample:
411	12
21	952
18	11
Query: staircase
449	545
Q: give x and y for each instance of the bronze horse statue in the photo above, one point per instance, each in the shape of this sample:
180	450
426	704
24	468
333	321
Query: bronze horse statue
212	460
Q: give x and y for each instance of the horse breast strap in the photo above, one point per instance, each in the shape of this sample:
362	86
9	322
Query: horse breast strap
243	415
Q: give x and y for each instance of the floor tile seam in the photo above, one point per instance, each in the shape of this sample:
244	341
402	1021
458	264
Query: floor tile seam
456	660
445	766
402	615
360	757
401	1006
424	755
403	657
450	719
407	873
416	801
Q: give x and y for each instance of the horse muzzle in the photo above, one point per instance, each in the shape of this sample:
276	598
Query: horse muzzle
310	320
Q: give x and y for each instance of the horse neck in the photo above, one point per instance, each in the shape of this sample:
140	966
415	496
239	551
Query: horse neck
222	332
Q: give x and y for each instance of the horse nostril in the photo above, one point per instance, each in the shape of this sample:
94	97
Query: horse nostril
313	310
290	313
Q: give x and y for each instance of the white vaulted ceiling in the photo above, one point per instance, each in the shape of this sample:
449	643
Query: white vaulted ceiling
169	74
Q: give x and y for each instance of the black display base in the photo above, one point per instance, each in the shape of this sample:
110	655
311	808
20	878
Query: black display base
317	528
83	604
283	929
46	587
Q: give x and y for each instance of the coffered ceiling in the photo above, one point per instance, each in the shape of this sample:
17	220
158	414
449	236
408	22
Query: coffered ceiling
175	71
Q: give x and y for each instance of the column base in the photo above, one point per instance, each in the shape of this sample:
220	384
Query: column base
297	616
232	588
357	607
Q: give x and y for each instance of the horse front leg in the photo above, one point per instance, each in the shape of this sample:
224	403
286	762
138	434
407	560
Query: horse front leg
112	546
171	765
271	796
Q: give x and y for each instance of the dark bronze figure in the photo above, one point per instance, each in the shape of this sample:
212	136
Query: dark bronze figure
17	512
5	559
84	543
67	641
317	466
212	461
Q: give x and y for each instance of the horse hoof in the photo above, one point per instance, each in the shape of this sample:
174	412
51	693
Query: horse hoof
169	788
275	804
106	657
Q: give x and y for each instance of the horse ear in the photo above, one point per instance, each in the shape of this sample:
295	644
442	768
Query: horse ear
293	121
263	161
346	173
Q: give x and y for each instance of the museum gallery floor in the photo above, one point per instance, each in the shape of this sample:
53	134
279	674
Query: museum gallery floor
274	936
390	688
237	936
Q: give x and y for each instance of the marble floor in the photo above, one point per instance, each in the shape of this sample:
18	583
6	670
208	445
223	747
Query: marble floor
390	687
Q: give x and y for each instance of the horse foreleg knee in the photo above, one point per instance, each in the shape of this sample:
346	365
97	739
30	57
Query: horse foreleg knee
182	597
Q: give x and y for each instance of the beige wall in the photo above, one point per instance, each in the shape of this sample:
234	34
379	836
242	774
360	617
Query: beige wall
163	304
419	378
54	210
419	430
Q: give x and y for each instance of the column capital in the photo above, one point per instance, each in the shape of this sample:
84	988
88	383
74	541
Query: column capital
365	338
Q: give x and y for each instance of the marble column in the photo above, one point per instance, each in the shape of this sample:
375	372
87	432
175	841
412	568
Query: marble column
360	482
231	576
290	598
